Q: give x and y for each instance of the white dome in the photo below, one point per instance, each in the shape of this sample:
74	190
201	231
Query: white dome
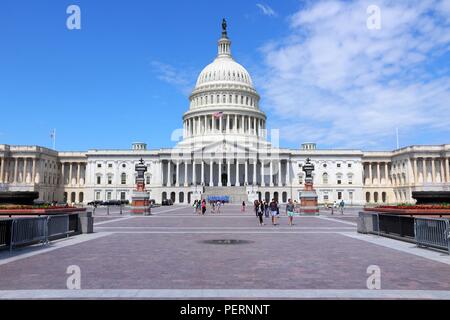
224	69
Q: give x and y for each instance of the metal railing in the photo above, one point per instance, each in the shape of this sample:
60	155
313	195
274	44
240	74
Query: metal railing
31	230
432	232
28	230
58	226
5	227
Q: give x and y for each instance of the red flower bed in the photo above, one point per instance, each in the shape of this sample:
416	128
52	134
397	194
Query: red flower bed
413	207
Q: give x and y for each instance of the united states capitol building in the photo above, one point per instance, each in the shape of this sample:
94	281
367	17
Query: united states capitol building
225	150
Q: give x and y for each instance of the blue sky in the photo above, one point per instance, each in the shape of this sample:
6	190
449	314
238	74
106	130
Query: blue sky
322	75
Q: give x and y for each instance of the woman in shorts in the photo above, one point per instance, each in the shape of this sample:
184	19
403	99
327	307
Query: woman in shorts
290	207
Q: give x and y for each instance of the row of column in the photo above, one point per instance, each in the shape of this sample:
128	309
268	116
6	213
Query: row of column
415	170
227	123
68	177
430	165
373	175
274	168
13	175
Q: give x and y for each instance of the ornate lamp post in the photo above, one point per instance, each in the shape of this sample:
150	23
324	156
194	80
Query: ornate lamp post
140	198
308	198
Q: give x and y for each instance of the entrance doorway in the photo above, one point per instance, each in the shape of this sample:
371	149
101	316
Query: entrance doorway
224	179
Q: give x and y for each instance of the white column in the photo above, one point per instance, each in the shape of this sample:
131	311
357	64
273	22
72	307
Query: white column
228	124
441	169
378	173
242	124
220	174
78	173
177	183
424	170
237	173
203	173
370	173
70	173
194	176
161	173
206	124
254	126
433	170
263	181
24	172
279	174
185	173
447	170
2	168
271	173
16	164
169	174
235	128
211	165
254	181
288	173
228	172
415	170
246	172
249	129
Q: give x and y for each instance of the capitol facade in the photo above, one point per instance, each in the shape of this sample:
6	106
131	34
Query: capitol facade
224	150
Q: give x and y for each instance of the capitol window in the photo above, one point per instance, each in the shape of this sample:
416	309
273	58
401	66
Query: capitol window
123	178
325	178
99	180
109	179
99	165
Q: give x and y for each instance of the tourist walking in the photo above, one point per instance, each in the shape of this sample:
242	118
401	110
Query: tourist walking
290	207
256	205
243	206
195	206
199	205
218	205
273	211
266	209
203	207
341	206
259	211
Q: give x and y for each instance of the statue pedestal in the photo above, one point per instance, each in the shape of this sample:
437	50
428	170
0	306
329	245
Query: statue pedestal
308	200
140	201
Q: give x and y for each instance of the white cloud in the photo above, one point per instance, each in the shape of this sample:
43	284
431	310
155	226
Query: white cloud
266	10
179	78
333	81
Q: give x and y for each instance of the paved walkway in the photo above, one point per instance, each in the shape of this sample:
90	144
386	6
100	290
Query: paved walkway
168	255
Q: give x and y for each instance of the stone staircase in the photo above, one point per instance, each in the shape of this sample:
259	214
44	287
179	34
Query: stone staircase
236	194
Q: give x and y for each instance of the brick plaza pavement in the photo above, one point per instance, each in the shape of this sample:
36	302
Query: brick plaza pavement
165	255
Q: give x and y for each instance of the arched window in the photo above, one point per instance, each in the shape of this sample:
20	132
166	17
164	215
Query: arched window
325	178
123	178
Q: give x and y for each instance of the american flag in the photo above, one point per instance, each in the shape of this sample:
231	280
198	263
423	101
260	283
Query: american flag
218	115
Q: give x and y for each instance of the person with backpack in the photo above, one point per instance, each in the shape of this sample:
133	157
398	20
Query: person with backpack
341	206
273	206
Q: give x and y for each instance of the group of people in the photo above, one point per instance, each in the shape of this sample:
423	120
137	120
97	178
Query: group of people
272	209
340	206
200	206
